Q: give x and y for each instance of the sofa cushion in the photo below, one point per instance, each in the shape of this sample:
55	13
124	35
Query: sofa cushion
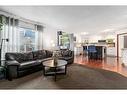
45	59
28	64
70	53
41	54
65	58
15	56
58	53
28	56
65	53
35	55
48	53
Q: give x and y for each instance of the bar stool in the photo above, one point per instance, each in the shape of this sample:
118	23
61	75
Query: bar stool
92	52
85	51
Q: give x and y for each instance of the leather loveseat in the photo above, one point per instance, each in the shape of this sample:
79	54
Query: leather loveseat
20	64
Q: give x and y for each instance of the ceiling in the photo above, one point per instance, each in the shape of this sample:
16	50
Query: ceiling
77	19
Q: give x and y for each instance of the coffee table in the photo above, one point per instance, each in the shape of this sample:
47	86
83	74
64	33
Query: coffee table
53	69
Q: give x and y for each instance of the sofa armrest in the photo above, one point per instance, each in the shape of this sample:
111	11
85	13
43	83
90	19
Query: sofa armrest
12	69
14	63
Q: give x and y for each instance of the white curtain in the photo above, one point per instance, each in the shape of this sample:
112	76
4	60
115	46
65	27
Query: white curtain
39	35
11	31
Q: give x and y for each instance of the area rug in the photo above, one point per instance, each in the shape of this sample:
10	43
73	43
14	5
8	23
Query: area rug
78	77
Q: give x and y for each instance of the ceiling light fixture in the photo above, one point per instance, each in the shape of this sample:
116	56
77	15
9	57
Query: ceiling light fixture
108	30
84	33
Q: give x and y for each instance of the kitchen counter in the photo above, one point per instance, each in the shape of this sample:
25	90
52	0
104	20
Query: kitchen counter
101	50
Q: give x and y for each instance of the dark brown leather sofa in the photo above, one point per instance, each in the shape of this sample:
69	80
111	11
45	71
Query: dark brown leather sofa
20	64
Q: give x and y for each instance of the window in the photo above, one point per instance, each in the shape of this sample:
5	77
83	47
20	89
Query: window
27	40
23	36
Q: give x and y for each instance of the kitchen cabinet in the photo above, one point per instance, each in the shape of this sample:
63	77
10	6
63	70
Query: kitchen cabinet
78	50
111	51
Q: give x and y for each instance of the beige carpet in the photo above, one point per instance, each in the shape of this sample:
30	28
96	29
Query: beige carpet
78	77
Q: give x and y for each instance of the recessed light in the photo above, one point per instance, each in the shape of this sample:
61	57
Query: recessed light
108	30
84	33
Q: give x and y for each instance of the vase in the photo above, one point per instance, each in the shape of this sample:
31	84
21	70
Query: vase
55	61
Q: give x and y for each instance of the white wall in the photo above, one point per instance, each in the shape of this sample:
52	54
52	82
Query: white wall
49	37
71	36
121	44
94	38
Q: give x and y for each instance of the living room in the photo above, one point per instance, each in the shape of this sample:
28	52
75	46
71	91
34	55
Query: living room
63	47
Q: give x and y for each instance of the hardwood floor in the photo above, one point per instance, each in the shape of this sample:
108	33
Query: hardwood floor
108	63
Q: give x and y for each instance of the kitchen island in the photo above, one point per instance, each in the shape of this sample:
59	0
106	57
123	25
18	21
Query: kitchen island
101	51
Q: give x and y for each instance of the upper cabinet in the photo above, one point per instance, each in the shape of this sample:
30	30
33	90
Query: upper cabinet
110	42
